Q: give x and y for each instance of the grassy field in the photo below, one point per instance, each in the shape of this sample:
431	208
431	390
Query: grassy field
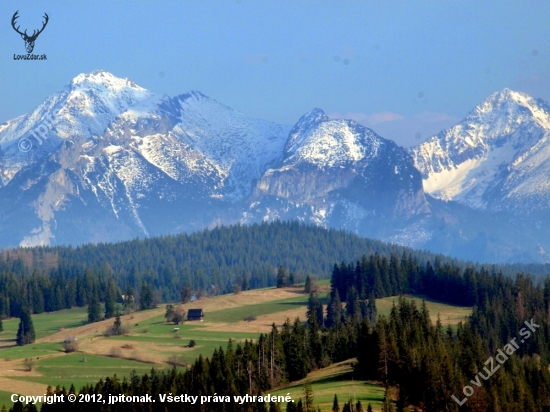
240	313
80	369
336	379
5	399
151	341
45	324
449	314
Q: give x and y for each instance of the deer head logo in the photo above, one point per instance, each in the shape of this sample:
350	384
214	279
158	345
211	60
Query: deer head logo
29	40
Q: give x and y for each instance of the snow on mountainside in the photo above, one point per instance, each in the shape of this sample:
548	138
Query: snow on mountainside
84	108
334	167
109	161
111	146
240	146
329	143
497	158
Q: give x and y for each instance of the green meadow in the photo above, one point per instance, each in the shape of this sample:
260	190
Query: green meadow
152	342
46	324
240	313
336	379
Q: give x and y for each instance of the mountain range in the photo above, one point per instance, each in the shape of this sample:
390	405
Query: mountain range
106	160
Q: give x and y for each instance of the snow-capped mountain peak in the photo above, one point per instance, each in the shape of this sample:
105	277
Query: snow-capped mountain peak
320	141
299	131
83	108
103	96
103	79
487	160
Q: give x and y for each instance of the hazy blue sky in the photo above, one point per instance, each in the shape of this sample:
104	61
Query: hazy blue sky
403	68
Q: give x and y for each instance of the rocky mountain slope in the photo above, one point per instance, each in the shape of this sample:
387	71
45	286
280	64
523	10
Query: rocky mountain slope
106	160
338	170
140	164
497	158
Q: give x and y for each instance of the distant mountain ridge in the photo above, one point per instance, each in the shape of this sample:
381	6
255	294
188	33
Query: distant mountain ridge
330	163
497	158
114	161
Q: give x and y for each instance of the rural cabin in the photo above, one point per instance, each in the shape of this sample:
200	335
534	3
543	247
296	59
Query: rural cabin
195	314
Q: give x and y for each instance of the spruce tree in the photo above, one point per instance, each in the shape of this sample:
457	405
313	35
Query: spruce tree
128	299
334	309
25	332
291	279
387	403
281	277
94	308
307	285
110	300
335	406
308	396
117	325
186	294
245	285
17	407
146	296
371	311
30	407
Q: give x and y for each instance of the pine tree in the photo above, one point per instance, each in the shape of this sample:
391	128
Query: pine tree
128	299
387	404
146	296
369	408
308	396
117	325
281	277
334	310
17	407
186	294
335	406
110	300
291	279
94	309
1	324
245	284
25	332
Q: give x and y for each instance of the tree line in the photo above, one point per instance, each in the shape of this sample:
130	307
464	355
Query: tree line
427	364
210	261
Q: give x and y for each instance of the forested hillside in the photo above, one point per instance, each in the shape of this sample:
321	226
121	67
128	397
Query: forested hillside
208	262
422	364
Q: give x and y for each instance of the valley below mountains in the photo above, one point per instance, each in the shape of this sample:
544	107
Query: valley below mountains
105	160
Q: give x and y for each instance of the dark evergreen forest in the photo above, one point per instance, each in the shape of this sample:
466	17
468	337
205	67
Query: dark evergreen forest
426	363
209	262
